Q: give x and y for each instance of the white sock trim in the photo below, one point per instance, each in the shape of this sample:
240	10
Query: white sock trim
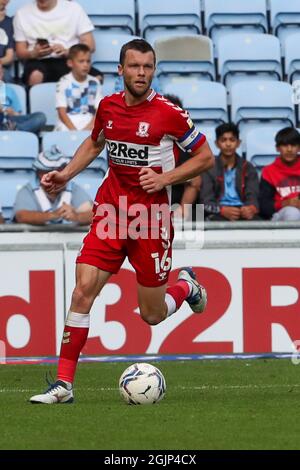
171	304
78	320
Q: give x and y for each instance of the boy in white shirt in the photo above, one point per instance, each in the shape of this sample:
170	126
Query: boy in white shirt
78	93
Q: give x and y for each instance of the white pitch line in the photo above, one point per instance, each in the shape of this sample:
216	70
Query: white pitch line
179	387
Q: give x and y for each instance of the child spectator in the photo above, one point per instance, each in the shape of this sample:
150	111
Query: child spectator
6	41
230	189
69	204
78	93
11	117
280	181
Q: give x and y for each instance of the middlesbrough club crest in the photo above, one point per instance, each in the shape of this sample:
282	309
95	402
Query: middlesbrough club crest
143	129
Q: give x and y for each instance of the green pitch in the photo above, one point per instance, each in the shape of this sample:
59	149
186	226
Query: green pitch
228	404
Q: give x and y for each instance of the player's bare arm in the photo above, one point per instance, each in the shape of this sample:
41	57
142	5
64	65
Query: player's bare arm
201	160
84	155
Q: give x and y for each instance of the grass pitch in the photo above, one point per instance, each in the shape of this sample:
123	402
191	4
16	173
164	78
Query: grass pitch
226	404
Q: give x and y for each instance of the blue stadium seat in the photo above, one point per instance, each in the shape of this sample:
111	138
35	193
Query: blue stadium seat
284	17
209	131
156	34
109	84
69	141
14	5
90	181
263	101
249	55
118	14
185	55
21	94
18	149
206	101
260	144
232	16
168	14
10	183
292	56
42	98
106	56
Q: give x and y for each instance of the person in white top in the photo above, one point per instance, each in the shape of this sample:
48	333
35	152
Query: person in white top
44	31
78	93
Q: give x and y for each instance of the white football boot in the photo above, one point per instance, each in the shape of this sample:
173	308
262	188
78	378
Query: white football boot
197	299
58	392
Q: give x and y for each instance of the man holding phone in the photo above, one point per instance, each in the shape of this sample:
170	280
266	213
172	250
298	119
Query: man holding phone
64	24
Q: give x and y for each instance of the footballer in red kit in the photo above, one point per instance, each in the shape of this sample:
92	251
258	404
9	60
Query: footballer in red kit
142	135
142	131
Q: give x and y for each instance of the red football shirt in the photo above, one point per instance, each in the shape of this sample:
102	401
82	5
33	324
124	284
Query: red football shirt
144	135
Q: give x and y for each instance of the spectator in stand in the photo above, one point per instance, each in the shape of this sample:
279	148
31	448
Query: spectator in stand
185	195
6	41
230	189
44	31
68	204
280	182
11	117
78	93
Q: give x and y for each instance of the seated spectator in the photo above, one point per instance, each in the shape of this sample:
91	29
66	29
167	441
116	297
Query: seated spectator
230	189
184	195
280	181
11	117
78	93
44	31
34	206
6	41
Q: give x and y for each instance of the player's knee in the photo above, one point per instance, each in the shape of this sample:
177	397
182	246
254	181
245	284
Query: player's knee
151	317
82	294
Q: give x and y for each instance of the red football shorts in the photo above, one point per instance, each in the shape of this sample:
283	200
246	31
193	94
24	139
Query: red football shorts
151	256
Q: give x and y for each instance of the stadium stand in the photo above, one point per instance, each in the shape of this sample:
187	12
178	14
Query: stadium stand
260	145
183	55
234	16
284	17
42	97
292	57
106	56
209	131
18	150
168	15
10	183
14	5
90	181
69	141
257	55
117	14
262	100
206	101
21	94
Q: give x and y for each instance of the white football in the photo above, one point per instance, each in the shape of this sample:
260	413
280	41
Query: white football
142	384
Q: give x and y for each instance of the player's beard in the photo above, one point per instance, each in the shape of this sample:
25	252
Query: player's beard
135	93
